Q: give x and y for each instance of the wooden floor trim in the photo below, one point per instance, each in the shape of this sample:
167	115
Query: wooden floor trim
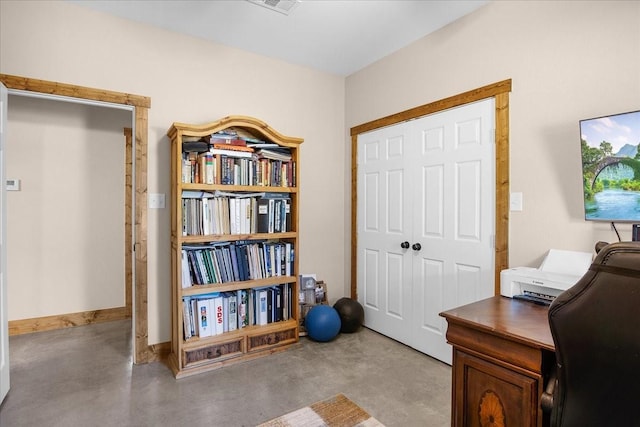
61	321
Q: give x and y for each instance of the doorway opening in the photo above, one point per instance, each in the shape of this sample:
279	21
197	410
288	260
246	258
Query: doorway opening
138	106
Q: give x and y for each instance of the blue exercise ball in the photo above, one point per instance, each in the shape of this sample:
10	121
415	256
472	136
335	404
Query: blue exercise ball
322	323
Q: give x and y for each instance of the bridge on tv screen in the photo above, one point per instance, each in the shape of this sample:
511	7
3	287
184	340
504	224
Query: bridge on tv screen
604	163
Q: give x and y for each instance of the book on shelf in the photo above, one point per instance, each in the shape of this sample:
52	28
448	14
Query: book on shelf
207	168
227	137
274	153
232	314
233	253
286	311
288	258
261	307
261	144
270	305
186	273
278	307
204	214
194	145
204	318
251	307
274	213
231	153
225	312
237	161
200	259
233	147
217	304
187	317
243	135
231	262
243	308
226	140
216	313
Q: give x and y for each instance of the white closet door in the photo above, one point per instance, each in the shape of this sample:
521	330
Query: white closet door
384	222
430	183
453	222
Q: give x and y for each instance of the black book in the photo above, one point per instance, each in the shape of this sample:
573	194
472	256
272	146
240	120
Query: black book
270	305
278	303
234	262
263	215
193	268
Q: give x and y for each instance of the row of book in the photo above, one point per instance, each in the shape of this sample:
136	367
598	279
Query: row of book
235	262
216	313
205	213
238	168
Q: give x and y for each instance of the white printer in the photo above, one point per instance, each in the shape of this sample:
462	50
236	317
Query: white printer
558	272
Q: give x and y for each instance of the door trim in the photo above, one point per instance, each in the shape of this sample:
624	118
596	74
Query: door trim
143	352
500	92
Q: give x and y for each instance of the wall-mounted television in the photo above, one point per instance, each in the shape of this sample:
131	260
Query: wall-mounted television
610	147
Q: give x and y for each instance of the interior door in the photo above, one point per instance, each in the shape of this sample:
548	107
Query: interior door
384	224
4	315
454	219
425	223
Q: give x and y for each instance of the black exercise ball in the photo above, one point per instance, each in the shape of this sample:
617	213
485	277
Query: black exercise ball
351	314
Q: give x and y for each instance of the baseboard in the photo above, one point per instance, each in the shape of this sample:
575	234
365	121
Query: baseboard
159	352
61	321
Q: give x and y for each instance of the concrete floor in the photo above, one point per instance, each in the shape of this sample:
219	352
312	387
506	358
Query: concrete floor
83	376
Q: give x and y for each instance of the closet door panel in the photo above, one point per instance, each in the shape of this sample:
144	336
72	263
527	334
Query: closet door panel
384	222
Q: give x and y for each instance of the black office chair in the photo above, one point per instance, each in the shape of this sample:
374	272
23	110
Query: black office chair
596	331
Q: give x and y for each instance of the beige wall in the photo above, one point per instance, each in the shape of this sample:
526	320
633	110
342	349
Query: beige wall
65	227
192	81
569	60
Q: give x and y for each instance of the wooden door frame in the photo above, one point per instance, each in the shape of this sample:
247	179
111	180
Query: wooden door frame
128	244
500	92
143	352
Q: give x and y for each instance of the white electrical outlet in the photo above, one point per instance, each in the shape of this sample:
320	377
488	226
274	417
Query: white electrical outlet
515	202
156	201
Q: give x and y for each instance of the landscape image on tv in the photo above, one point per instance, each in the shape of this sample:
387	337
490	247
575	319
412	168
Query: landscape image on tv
611	167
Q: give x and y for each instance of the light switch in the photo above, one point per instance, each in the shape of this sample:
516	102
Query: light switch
156	201
515	202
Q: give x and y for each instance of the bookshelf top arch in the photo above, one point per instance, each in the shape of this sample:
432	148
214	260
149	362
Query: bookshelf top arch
259	128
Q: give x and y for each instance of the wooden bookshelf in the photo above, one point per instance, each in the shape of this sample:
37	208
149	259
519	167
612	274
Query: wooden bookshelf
264	261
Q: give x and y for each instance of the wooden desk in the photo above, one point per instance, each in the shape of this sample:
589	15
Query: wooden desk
503	354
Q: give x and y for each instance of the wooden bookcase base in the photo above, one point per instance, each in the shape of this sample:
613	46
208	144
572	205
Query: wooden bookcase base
217	364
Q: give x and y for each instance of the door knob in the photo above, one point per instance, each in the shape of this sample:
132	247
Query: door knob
404	245
416	247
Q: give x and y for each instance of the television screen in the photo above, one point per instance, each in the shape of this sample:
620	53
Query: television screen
611	167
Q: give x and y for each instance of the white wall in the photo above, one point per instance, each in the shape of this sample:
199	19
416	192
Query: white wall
568	60
192	81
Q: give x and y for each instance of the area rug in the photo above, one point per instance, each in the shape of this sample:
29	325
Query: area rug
337	411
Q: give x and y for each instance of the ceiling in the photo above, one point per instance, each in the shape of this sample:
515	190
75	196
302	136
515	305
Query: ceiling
335	36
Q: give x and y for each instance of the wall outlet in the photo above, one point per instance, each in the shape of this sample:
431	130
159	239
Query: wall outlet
156	201
515	202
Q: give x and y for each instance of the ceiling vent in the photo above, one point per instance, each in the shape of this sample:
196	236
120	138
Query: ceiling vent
283	6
